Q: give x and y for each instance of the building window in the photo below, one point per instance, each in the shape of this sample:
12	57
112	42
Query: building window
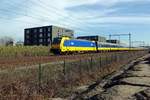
27	36
27	41
35	30
48	39
44	40
27	31
63	31
68	31
48	35
41	44
41	30
45	34
40	40
49	29
41	35
35	41
72	35
35	36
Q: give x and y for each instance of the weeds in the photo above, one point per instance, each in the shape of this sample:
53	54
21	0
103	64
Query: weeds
60	79
22	51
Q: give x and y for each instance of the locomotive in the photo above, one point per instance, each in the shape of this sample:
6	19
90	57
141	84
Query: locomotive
66	45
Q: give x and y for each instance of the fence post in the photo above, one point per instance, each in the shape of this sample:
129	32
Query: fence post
119	57
91	63
80	69
106	60
40	76
64	72
64	69
111	59
100	62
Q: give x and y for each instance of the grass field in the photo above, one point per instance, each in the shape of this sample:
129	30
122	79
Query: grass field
21	51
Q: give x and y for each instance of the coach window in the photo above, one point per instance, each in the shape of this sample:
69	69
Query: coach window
99	45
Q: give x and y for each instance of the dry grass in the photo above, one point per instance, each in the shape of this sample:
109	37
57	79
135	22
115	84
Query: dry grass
21	51
58	80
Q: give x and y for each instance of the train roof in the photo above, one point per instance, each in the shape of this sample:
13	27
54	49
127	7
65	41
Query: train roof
112	44
108	43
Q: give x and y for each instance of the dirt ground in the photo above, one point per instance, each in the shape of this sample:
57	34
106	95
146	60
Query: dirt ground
130	83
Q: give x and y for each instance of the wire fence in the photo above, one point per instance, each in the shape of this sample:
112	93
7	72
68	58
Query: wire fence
61	78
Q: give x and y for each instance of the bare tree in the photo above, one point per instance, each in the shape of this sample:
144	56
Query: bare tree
6	41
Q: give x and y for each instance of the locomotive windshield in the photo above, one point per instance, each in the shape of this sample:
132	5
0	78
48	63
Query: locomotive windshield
56	40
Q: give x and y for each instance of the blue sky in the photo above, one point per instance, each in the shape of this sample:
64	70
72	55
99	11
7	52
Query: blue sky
86	17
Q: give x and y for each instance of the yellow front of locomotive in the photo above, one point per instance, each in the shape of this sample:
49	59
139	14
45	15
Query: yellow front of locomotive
57	45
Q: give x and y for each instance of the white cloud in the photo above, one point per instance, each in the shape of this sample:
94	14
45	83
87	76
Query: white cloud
70	3
47	12
53	12
121	20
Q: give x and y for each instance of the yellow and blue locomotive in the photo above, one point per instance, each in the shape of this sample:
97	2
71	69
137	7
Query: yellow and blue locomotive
65	45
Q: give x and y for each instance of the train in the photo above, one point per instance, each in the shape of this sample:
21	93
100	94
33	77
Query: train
66	45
